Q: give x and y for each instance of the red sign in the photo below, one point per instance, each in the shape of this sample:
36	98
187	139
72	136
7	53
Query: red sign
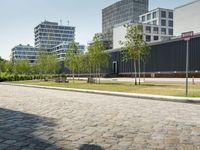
187	35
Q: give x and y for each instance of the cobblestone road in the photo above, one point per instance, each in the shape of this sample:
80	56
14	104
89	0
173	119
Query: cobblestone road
37	119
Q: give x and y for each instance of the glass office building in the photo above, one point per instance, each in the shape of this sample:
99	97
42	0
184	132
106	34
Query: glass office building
24	52
61	49
49	34
119	12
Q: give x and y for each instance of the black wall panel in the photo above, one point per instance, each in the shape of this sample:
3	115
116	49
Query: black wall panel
164	57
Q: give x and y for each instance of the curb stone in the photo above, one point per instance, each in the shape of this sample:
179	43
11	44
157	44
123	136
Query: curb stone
121	94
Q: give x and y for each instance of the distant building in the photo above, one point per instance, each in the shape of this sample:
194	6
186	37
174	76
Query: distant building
119	12
24	52
61	49
187	18
49	34
158	26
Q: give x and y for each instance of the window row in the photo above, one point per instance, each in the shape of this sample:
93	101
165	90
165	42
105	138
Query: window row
155	15
155	30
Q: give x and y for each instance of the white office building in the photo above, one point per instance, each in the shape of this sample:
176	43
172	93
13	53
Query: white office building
61	49
187	18
158	26
49	34
24	52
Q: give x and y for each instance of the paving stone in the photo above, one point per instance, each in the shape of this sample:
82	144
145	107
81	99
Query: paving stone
41	119
9	142
3	146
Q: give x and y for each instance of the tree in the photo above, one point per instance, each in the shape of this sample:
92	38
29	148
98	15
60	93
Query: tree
71	58
47	63
2	65
9	65
134	47
84	65
98	58
22	67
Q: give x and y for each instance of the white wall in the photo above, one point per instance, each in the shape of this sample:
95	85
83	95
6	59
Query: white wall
187	18
119	34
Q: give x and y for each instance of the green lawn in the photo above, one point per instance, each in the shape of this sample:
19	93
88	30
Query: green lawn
170	89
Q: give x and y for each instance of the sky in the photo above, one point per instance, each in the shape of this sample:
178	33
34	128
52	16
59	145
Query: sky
19	17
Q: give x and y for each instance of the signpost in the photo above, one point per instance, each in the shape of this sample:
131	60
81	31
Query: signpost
187	36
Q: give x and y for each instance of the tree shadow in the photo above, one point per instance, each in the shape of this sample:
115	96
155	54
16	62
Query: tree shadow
20	130
90	147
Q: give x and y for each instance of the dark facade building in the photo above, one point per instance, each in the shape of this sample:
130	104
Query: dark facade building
166	58
119	12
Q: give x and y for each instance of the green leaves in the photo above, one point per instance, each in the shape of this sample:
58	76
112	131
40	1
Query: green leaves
97	55
22	67
134	47
72	57
47	63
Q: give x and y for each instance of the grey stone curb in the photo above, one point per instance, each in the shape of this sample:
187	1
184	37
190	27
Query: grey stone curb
121	94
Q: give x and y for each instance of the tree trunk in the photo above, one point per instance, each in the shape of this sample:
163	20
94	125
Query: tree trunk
99	74
73	75
144	72
90	72
96	74
139	70
135	67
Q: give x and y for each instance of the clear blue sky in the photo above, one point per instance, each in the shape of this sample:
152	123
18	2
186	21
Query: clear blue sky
19	17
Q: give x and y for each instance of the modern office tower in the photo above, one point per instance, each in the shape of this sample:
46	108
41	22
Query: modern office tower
49	34
187	18
119	12
157	26
24	52
61	49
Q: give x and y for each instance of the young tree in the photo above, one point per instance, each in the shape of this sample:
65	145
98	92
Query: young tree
2	65
98	58
134	47
47	63
22	67
9	65
72	58
84	65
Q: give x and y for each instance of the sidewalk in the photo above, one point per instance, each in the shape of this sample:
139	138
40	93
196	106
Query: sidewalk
168	80
121	94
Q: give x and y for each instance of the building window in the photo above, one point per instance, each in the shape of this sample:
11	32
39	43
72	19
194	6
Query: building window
171	31
148	16
148	38
163	31
163	14
148	29
163	22
155	30
171	16
143	18
155	38
154	22
171	23
154	15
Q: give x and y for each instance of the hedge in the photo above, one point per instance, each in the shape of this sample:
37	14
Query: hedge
15	77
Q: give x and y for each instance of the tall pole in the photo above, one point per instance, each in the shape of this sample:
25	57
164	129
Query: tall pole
187	66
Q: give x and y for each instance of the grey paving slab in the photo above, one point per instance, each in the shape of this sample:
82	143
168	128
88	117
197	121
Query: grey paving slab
39	119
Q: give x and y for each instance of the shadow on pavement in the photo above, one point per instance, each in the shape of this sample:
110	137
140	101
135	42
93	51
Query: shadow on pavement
90	147
20	130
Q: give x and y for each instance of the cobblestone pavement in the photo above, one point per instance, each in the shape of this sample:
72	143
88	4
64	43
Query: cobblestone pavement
37	119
